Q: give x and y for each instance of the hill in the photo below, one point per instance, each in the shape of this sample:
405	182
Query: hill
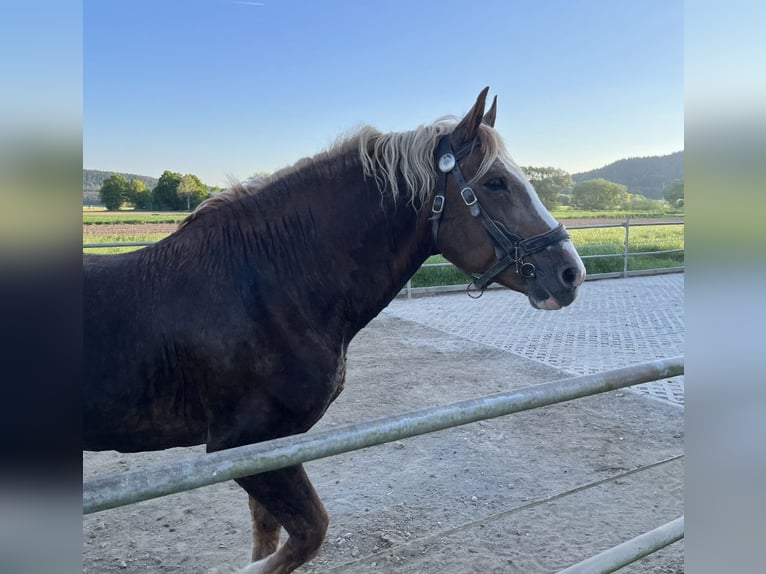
647	176
93	179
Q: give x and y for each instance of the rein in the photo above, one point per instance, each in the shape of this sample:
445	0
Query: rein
510	248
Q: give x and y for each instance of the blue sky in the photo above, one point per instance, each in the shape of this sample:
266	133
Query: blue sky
224	88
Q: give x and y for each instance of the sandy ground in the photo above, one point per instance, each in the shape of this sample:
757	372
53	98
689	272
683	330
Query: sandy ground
529	493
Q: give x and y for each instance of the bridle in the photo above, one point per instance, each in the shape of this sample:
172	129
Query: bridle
510	248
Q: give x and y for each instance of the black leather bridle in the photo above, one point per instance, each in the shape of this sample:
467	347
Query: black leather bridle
510	248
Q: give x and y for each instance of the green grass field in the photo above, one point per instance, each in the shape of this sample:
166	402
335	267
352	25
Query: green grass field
604	241
600	241
567	212
130	218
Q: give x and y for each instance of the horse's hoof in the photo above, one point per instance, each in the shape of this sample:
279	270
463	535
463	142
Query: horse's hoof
252	568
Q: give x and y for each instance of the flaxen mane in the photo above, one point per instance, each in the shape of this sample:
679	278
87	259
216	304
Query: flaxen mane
384	157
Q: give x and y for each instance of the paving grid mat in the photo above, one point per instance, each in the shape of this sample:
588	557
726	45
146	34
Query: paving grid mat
613	323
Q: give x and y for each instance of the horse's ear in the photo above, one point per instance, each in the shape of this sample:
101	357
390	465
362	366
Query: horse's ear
468	128
489	117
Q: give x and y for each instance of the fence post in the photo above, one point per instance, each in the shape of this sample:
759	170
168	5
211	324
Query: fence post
627	247
409	288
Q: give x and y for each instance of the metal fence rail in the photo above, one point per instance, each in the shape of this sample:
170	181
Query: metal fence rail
409	290
115	490
630	550
625	255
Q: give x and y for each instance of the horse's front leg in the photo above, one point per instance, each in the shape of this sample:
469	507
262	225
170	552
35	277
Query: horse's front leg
289	498
266	530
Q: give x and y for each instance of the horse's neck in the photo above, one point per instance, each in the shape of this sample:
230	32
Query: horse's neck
339	250
389	242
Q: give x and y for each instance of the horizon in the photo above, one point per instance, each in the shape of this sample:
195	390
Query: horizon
225	89
570	173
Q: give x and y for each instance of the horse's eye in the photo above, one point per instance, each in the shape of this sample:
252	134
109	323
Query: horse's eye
497	184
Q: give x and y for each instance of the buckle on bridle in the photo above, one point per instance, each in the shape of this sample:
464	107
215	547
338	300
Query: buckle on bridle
438	205
469	197
527	270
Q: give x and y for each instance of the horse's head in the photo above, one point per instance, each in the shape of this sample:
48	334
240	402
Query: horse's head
488	220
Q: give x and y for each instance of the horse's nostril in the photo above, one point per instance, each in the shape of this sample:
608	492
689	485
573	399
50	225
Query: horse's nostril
569	276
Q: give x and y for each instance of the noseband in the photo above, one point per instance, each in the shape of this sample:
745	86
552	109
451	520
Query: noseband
510	248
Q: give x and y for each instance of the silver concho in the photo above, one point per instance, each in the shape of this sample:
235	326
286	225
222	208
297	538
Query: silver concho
447	163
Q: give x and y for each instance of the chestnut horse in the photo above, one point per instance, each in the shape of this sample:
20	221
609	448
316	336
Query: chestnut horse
234	329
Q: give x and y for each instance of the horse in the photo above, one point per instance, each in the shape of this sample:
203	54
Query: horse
234	329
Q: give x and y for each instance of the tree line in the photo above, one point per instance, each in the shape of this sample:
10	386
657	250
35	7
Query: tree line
647	176
173	192
554	186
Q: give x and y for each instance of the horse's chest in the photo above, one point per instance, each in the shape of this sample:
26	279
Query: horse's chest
328	383
340	377
306	389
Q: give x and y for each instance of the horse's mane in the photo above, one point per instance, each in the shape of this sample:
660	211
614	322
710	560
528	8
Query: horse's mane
384	157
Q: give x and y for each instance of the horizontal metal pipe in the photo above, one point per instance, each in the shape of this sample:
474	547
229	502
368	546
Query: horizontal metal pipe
631	550
622	255
645	272
603	256
632	224
114	490
599	226
637	273
418	291
662	252
608	225
120	244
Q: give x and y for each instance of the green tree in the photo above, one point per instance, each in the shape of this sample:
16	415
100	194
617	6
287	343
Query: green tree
191	191
139	195
176	192
674	193
114	192
165	193
638	202
549	182
596	194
